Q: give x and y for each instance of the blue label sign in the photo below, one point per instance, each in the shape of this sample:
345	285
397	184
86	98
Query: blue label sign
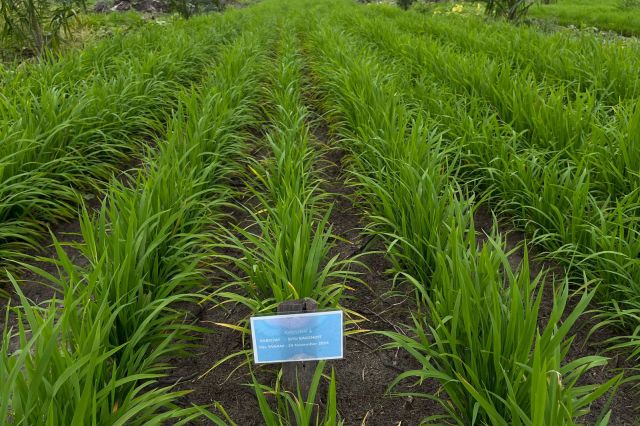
297	337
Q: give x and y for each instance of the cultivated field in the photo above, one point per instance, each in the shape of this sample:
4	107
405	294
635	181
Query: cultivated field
467	191
621	16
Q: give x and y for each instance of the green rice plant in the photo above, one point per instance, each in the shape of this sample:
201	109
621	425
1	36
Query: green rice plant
494	368
147	252
409	199
549	202
546	116
550	115
288	173
165	214
63	373
554	197
110	56
285	251
288	258
400	164
618	164
298	409
584	60
557	132
61	141
609	250
493	359
552	200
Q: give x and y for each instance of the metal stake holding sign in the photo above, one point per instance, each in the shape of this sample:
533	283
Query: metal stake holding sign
298	337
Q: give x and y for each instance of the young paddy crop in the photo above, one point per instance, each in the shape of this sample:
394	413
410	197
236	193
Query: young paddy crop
607	69
285	249
490	368
103	350
64	131
284	253
548	116
581	208
435	120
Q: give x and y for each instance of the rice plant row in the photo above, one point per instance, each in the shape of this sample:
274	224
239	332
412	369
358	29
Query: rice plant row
607	69
547	116
568	205
496	367
95	356
285	248
434	127
61	138
108	56
610	134
566	209
284	252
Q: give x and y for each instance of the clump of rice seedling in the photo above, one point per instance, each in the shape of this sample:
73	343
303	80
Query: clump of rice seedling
63	136
297	408
285	251
493	359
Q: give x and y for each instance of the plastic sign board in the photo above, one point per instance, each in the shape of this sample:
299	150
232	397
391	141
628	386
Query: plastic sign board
297	337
